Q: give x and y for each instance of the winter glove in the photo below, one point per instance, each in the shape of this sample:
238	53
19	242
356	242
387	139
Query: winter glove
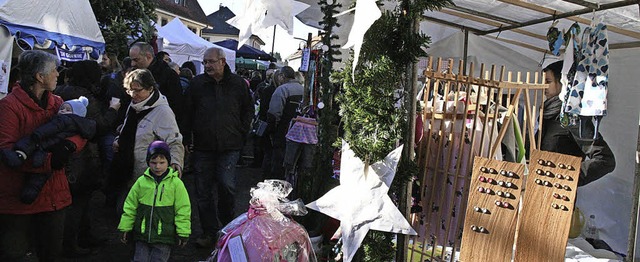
61	152
182	241
27	144
12	158
33	183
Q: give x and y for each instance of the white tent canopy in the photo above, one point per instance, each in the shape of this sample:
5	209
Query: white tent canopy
521	26
482	50
66	22
47	25
183	45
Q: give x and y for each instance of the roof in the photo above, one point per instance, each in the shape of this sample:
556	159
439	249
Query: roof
522	24
223	13
220	27
191	10
245	51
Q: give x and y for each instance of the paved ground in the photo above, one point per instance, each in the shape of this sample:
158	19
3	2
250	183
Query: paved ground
106	221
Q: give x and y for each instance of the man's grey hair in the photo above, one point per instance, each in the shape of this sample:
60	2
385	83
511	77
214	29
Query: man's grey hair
35	62
144	47
217	51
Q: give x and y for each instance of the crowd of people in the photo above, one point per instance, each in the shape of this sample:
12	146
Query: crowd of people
131	129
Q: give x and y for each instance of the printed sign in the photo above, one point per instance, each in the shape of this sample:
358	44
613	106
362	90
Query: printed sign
304	64
71	56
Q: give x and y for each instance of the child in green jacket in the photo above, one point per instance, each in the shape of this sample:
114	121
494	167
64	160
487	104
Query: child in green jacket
157	208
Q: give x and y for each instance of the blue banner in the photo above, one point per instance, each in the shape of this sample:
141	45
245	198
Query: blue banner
71	56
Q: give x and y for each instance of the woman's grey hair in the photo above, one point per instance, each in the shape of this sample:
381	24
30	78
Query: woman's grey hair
141	76
33	62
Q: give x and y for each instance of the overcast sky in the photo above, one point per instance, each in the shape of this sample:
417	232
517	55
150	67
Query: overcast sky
284	44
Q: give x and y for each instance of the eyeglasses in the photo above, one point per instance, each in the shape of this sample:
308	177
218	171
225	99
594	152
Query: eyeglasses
210	61
134	91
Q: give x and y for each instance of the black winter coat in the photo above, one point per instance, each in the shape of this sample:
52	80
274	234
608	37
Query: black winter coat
597	158
169	85
218	114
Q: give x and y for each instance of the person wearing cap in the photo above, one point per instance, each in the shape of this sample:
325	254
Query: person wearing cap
157	209
31	104
69	121
598	159
86	169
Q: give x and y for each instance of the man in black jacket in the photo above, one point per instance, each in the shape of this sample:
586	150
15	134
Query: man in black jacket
168	81
597	158
219	109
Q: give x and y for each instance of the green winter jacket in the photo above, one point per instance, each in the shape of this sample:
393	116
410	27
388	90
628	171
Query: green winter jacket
157	212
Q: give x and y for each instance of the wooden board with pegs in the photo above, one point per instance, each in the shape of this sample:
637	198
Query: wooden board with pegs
547	207
492	208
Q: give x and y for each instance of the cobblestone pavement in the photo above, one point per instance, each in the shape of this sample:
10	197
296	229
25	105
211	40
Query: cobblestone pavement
105	222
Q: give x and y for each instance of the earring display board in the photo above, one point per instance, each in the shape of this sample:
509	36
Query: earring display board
492	211
547	207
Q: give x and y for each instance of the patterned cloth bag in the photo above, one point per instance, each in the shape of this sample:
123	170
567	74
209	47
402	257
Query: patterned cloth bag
303	131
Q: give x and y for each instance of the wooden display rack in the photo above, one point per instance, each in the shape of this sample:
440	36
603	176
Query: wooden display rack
454	135
492	211
547	207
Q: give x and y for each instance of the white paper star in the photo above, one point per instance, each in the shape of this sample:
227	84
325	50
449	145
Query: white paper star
262	14
361	202
367	12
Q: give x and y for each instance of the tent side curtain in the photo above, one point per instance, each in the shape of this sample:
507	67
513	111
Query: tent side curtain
33	35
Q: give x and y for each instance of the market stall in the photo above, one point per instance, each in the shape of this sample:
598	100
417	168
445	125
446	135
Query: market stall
72	33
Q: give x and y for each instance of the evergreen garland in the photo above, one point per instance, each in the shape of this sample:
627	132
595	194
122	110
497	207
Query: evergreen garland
328	116
371	120
373	123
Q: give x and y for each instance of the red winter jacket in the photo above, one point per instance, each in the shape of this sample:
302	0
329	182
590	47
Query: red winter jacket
20	116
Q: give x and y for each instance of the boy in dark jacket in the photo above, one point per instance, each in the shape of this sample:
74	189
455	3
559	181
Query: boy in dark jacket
157	208
50	137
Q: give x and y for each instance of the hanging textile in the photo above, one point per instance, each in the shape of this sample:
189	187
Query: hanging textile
587	94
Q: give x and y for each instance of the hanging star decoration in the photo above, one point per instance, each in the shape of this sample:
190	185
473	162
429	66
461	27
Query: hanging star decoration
367	12
361	202
263	14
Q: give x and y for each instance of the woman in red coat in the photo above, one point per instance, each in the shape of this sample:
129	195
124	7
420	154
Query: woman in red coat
30	104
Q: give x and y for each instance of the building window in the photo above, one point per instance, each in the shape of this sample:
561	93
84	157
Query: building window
163	22
192	29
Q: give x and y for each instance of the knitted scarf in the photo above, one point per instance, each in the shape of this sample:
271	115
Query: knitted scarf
123	161
552	107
